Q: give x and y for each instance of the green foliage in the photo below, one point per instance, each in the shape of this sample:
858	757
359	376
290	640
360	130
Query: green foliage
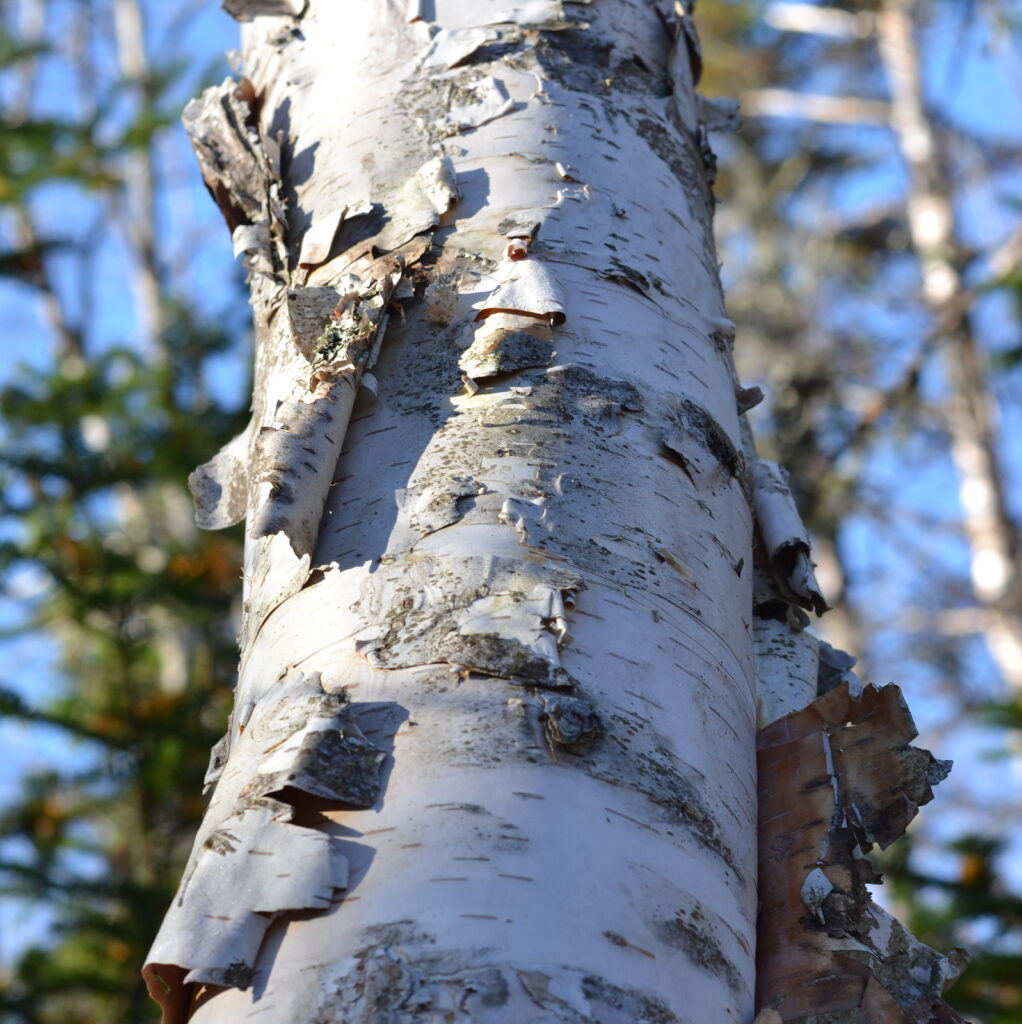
14	51
48	149
968	906
133	606
124	579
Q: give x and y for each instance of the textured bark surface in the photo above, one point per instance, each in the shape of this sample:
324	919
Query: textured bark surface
492	756
512	621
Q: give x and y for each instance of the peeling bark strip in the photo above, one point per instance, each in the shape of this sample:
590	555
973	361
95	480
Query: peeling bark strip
252	861
491	756
784	536
837	778
789	659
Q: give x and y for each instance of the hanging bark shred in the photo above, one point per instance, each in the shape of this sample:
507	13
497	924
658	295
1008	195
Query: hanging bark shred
231	157
837	775
786	539
836	778
309	424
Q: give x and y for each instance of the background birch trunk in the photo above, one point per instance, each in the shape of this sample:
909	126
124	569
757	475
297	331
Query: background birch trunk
492	753
971	414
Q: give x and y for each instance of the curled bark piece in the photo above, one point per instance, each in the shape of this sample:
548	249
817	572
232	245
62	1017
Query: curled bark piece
719	114
453	46
250	238
788	658
835	668
528	289
246	10
427	194
770	602
220	486
301	737
327	758
528	516
213	932
296	453
785	536
498	349
317	241
370	386
305	435
835	778
295	738
217	760
230	157
517	249
300	437
439	184
748	398
491	101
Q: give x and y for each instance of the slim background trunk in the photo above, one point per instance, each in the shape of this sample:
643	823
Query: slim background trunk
971	414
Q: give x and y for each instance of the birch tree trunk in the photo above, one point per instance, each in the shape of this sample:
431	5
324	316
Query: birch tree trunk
493	750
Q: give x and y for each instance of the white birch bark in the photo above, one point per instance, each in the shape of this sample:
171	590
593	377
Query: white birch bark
493	750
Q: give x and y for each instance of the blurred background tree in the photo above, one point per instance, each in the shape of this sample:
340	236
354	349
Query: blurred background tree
869	227
871	239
